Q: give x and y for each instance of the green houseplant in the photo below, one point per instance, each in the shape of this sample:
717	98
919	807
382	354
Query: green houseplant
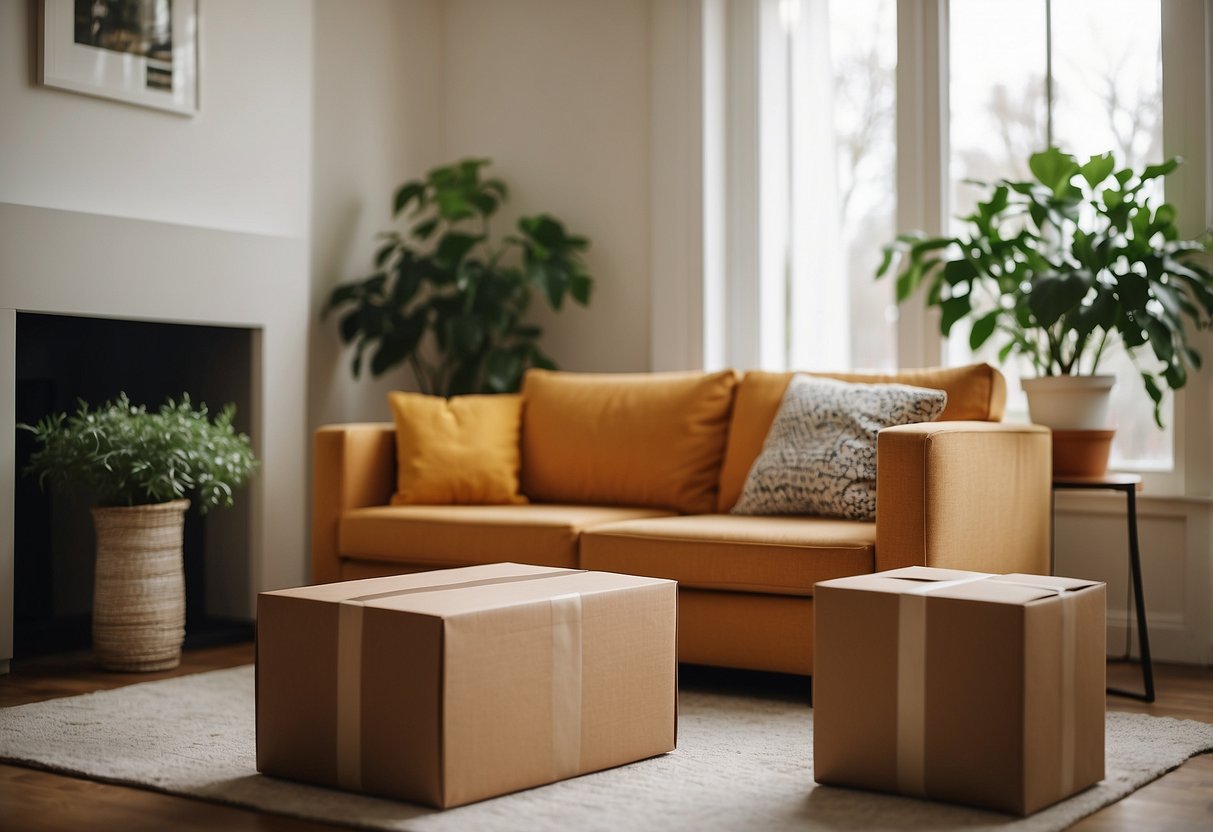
140	465
1064	266
448	298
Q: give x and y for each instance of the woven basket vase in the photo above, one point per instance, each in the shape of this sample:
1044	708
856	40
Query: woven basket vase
139	588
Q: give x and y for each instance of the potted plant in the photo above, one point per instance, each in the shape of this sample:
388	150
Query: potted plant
449	299
139	466
1062	268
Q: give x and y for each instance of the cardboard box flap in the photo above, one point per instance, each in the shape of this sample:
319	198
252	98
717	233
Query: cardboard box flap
930	573
449	601
997	592
910	579
1049	581
419	581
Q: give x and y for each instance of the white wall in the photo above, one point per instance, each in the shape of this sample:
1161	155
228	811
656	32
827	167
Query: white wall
241	164
556	92
1091	538
114	210
377	123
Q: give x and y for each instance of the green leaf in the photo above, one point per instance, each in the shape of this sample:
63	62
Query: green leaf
542	361
383	254
1099	314
1160	339
1133	289
983	328
350	325
580	287
551	278
1176	375
543	229
1155	171
1053	296
1164	215
454	246
406	193
953	310
454	206
465	378
887	254
468	334
1053	168
503	370
340	296
934	244
1098	168
956	272
486	203
423	230
408	281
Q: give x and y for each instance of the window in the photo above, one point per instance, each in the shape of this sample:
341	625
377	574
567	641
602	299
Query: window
806	142
1101	60
821	98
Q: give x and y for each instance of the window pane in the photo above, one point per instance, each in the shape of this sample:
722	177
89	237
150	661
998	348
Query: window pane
997	119
843	58
1107	86
997	59
865	67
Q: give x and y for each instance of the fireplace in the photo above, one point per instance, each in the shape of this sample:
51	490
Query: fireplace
61	359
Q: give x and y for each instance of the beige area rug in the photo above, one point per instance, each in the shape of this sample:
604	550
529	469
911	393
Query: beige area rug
743	762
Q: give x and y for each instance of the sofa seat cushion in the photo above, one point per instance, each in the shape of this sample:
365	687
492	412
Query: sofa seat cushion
542	534
772	555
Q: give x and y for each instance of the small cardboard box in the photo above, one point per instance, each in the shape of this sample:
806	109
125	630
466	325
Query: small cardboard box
965	687
453	686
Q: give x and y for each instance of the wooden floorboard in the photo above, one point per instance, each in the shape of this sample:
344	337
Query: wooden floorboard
39	801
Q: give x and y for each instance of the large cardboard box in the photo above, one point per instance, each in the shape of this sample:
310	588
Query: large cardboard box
965	687
453	686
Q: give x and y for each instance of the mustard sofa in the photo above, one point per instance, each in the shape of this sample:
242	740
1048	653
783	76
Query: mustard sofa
637	473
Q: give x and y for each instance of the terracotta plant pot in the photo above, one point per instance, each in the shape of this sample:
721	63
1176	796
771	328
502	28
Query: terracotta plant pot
139	587
1081	453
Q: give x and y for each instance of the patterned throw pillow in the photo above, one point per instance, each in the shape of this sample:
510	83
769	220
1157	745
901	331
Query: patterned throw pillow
819	456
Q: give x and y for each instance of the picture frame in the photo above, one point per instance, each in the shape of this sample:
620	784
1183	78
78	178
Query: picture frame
143	52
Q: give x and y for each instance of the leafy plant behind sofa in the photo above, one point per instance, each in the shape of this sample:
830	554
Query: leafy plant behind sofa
448	299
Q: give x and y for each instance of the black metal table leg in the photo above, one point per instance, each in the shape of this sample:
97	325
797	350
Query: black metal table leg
1143	634
1128	484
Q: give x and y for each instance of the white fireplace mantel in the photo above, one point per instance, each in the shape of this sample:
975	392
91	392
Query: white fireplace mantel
71	263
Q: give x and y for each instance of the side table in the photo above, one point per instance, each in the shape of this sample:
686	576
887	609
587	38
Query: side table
1129	484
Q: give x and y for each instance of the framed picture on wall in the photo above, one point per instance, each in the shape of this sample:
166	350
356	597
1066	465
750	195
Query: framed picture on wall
140	51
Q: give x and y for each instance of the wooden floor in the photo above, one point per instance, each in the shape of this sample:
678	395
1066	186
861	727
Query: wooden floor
32	800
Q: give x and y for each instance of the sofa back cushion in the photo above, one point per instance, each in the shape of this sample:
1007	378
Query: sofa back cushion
650	440
975	392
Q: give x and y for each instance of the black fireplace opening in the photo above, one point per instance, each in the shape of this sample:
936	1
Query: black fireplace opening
62	360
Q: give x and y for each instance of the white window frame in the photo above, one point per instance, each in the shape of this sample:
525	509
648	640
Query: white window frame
708	201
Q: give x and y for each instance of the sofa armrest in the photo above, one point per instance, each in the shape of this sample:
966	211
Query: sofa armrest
964	495
353	466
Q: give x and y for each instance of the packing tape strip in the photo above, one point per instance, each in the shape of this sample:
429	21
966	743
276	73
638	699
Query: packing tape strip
1069	653
349	696
566	685
911	683
349	674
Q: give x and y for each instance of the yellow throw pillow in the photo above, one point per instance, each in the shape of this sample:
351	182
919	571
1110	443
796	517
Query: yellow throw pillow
458	451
